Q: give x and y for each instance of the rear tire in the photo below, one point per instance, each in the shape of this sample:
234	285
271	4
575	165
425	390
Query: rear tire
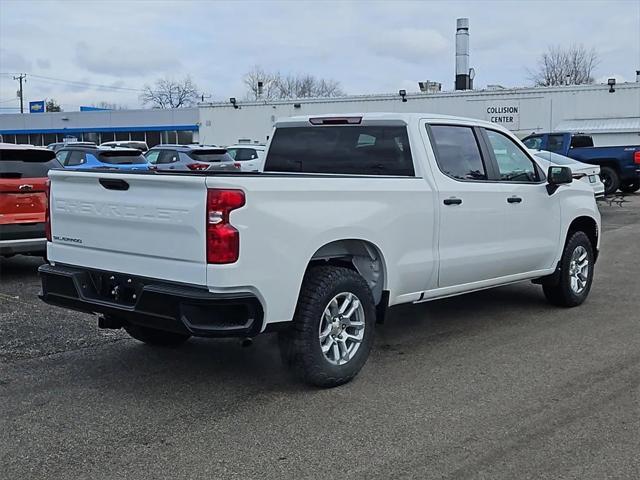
630	187
573	283
611	180
333	327
153	336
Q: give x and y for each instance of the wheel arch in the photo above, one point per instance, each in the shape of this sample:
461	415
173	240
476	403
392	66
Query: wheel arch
589	226
359	255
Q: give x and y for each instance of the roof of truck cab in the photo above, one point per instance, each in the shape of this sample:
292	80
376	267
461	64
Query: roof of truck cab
389	116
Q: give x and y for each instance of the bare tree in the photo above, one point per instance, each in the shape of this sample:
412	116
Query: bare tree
558	65
52	106
109	106
277	86
169	93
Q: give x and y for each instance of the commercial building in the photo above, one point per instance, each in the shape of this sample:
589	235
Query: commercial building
153	126
613	117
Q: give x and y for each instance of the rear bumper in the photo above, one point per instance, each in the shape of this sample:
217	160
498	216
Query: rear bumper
22	238
152	303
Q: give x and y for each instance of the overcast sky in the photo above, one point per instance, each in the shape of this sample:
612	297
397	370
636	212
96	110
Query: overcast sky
370	47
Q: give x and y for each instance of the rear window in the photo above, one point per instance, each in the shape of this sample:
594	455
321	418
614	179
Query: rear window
581	141
363	150
121	157
212	155
27	163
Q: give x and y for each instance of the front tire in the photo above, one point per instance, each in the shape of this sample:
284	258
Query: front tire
573	283
630	187
153	336
333	327
610	179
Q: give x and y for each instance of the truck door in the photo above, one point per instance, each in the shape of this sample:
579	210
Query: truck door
471	225
531	215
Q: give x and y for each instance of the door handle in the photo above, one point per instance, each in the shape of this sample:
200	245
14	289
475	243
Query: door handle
114	184
514	199
452	201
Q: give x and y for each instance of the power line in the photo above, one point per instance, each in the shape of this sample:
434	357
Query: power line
84	84
77	83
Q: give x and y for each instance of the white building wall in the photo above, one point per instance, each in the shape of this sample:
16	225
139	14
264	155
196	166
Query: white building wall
527	110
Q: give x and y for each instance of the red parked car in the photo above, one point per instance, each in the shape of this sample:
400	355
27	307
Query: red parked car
23	198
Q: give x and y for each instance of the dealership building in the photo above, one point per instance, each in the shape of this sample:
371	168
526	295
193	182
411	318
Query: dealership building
610	113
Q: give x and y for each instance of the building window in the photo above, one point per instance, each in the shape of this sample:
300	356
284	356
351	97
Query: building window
137	136
22	138
91	137
153	138
49	138
35	139
185	138
169	137
122	136
8	138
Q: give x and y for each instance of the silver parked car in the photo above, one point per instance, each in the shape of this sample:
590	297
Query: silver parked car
190	157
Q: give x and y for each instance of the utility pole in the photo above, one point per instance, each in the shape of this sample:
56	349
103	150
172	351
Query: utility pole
21	77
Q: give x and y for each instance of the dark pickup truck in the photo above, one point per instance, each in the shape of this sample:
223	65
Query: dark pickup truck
619	166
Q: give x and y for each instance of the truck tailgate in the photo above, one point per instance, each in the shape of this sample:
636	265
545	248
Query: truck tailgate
140	224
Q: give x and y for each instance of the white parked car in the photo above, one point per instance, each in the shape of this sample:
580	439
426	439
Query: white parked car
589	174
249	157
355	214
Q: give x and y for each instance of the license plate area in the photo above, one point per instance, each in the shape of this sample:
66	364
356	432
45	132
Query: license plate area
116	288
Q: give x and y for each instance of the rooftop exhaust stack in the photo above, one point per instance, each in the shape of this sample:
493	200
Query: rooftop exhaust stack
464	80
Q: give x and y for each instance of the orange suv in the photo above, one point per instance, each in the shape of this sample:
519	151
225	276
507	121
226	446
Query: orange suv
23	198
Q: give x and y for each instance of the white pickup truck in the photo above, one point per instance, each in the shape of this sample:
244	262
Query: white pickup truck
353	214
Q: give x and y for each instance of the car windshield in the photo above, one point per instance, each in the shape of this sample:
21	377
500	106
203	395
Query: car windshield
211	155
26	163
555	158
122	157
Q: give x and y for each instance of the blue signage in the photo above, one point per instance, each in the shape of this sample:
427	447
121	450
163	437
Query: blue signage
36	107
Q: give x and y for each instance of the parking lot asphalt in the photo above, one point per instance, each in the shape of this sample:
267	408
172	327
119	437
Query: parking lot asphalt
495	384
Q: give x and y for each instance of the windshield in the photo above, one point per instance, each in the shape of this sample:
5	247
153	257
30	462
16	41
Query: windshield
555	158
122	157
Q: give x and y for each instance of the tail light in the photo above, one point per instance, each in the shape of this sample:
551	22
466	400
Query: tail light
47	212
223	240
237	165
197	166
636	157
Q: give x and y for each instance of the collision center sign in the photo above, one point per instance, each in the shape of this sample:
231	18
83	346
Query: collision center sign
505	113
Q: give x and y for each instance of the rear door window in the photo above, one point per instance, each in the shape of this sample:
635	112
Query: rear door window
26	164
457	152
359	150
75	158
167	156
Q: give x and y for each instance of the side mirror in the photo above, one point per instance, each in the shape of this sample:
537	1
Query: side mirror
557	176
